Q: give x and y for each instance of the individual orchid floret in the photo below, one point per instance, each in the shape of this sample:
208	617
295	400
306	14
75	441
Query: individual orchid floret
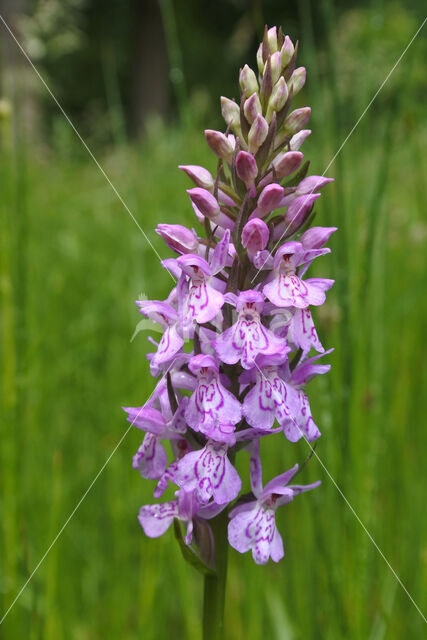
248	337
155	519
272	39
298	139
252	108
210	474
294	122
209	206
297	80
276	66
268	400
297	213
199	175
287	51
212	409
167	317
151	458
277	99
178	238
257	133
220	144
270	198
287	289
231	113
286	163
301	332
302	422
200	301
180	448
247	169
311	184
252	525
248	81
255	236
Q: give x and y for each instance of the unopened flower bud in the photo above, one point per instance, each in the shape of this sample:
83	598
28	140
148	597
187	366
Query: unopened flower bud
178	238
297	140
299	209
231	113
255	236
272	39
257	133
246	168
286	163
252	108
270	198
278	98
259	60
276	66
296	120
248	81
297	80
312	184
204	201
220	144
287	52
316	237
199	175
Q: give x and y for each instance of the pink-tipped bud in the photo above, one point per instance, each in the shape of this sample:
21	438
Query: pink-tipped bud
272	39
257	133
297	80
248	81
270	198
296	120
204	201
299	210
278	98
246	168
231	113
287	52
252	108
255	236
287	162
178	238
297	140
316	237
220	144
259	60
276	66
199	175
311	184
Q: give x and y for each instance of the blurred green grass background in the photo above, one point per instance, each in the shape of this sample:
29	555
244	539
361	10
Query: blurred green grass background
72	263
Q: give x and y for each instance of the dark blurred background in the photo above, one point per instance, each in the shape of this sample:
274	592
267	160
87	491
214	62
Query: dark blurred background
140	81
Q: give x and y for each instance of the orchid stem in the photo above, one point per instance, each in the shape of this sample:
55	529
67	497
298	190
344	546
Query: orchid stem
214	588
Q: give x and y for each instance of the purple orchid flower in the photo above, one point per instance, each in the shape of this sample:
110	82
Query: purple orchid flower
287	289
212	409
167	317
252	525
155	519
248	337
200	301
209	473
230	378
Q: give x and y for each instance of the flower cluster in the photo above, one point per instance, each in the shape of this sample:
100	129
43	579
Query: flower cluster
233	359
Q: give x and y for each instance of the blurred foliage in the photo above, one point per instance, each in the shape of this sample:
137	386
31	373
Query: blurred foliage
83	45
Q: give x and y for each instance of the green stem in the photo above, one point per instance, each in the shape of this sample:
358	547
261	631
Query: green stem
214	591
